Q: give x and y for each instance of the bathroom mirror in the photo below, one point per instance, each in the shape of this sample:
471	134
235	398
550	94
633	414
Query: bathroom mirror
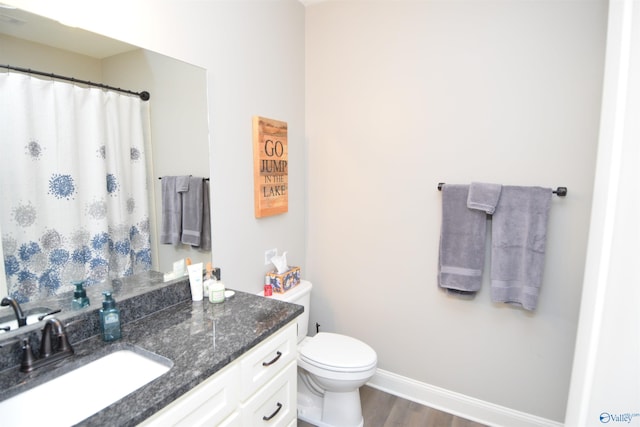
179	113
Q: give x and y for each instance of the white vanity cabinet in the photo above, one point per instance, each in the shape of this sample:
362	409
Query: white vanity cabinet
257	389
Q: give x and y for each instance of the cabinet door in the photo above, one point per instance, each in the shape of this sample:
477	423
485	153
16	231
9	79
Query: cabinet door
233	420
275	403
263	362
206	404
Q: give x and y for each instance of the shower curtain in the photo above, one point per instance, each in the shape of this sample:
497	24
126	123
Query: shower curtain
73	185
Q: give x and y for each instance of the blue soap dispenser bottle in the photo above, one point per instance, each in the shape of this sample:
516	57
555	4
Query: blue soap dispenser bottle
80	298
109	319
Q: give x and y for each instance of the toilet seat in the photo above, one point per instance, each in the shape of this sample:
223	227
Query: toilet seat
337	353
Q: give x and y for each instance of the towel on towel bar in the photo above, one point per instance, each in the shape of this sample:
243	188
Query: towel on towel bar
483	196
186	212
170	231
182	183
519	233
192	208
462	242
205	237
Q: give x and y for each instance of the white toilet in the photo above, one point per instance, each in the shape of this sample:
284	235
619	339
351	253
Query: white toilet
331	370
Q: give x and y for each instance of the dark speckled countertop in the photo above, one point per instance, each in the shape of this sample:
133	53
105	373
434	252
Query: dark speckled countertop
200	338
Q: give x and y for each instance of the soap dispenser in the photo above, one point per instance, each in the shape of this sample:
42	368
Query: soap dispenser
109	318
80	298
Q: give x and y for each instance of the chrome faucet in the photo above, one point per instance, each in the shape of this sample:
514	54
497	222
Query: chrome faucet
22	319
48	354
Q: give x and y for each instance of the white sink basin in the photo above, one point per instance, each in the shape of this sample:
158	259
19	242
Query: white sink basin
78	394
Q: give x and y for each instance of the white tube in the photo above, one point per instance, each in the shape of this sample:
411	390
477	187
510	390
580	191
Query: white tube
195	280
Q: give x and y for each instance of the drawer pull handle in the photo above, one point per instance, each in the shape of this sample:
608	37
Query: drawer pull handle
265	418
275	359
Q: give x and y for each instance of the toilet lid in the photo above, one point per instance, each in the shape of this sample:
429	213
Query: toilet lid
338	352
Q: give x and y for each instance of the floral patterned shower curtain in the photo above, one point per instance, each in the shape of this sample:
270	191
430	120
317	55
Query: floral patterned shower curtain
73	185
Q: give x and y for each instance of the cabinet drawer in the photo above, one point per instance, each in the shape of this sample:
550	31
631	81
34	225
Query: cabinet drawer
275	403
206	404
262	363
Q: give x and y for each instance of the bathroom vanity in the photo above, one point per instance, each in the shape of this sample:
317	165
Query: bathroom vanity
231	364
257	389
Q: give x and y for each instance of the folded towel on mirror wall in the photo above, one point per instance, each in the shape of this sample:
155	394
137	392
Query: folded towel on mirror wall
186	212
519	233
484	196
462	242
171	227
192	206
205	237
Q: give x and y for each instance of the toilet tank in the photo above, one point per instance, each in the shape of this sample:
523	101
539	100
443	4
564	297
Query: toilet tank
301	295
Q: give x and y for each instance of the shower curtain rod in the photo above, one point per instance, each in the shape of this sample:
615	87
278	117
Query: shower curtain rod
143	95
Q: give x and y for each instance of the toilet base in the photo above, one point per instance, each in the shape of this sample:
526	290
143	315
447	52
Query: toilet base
313	415
332	409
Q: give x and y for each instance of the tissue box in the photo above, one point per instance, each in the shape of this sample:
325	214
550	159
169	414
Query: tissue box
281	283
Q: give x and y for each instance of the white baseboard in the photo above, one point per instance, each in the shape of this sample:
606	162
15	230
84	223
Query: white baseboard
455	403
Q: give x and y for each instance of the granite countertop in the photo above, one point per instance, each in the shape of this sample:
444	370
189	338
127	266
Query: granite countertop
200	339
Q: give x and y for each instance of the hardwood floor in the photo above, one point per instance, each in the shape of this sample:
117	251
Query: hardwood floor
382	409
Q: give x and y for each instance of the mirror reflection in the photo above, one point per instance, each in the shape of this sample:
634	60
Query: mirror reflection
177	110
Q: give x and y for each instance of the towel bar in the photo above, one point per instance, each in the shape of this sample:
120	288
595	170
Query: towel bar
560	191
204	179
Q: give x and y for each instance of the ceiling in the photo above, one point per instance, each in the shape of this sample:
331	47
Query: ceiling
35	28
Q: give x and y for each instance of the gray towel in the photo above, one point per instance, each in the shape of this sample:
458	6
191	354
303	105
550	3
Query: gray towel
519	234
205	237
171	212
182	183
483	196
192	207
462	241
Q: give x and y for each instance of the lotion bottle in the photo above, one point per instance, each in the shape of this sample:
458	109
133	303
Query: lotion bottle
195	281
109	319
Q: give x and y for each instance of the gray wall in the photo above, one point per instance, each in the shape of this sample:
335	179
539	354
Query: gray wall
403	95
27	54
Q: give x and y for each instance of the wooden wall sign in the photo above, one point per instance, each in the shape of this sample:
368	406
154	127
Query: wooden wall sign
270	167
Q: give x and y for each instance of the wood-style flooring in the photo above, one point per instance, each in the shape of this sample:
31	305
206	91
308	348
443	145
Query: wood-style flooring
381	409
